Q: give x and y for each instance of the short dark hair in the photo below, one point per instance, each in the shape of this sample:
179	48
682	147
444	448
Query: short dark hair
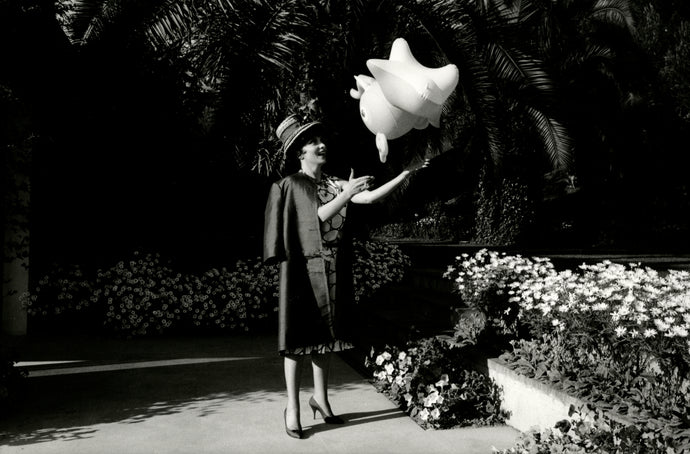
301	141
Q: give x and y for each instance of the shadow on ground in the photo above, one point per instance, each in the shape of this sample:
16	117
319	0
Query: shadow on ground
68	406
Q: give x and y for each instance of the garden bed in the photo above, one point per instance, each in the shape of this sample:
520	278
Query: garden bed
606	341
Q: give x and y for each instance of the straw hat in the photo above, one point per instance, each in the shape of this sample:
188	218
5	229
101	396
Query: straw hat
291	129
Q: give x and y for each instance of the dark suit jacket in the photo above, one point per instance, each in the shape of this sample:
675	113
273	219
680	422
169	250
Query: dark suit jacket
292	236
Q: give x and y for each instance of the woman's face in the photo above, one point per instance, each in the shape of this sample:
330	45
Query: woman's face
314	151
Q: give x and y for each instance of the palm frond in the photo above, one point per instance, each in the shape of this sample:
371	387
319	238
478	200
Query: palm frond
178	20
557	142
266	30
82	20
616	12
513	65
594	52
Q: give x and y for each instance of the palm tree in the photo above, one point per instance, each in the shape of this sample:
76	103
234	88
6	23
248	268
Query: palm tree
581	43
589	48
246	63
257	45
229	53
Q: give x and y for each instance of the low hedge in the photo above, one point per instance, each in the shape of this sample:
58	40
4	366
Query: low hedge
144	295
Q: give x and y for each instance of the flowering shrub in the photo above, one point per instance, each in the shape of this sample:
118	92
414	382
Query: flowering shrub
66	286
144	296
141	296
376	263
483	281
624	302
622	314
242	298
429	380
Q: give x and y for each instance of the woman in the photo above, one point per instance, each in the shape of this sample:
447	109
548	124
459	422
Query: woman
304	220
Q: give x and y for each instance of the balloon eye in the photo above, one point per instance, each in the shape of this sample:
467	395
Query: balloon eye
363	113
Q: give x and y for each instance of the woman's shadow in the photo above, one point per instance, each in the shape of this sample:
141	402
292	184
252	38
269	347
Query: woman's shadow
354	419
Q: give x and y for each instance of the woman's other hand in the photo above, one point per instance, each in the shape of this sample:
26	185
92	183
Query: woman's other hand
356	185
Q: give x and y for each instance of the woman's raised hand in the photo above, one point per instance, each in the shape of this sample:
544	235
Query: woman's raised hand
356	185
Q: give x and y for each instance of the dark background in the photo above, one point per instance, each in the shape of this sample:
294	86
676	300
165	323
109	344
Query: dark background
116	167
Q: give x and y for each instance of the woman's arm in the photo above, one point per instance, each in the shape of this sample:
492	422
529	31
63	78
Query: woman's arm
387	188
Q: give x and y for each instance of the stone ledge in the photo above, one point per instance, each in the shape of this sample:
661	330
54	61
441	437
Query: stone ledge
530	403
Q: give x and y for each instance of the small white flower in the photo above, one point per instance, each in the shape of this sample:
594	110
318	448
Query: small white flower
678	331
431	399
424	415
661	325
443	381
649	333
601	306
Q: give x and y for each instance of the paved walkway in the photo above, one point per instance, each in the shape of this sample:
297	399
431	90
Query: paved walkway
197	396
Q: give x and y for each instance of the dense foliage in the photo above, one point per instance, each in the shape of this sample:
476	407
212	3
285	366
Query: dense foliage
437	221
595	434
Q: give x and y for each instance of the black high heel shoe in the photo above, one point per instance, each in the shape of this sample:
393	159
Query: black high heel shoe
327	419
294	433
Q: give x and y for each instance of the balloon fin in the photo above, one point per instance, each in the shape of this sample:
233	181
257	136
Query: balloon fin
382	145
446	78
363	82
400	51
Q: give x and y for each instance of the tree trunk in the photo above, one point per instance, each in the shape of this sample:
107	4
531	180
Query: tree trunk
16	257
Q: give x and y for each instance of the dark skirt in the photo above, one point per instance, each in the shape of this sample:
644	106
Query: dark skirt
316	333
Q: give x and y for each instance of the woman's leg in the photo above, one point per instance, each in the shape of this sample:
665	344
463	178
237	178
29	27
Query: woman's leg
320	366
293	373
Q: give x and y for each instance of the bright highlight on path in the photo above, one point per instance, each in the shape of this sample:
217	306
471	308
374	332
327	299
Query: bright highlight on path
119	366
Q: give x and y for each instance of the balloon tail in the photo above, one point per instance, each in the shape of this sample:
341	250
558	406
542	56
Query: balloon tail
382	145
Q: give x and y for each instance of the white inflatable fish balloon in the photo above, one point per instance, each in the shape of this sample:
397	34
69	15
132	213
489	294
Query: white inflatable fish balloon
403	94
